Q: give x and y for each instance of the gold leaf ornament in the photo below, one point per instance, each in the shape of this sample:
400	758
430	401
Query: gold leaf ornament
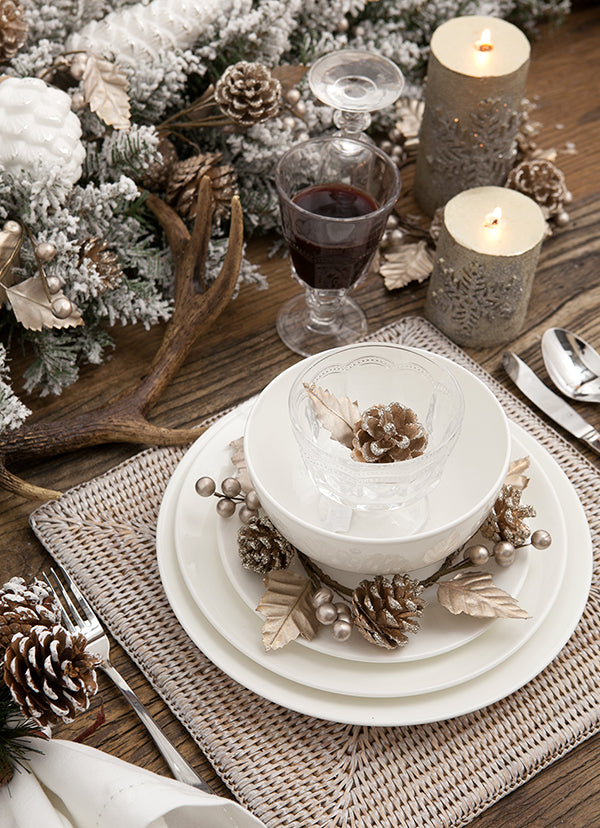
338	416
238	459
34	310
474	593
289	75
287	609
105	90
516	473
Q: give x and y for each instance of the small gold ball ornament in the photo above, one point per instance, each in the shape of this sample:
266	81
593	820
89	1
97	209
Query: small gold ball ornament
231	487
341	629
53	283
77	101
225	507
205	486
245	514
322	596
45	251
541	539
252	501
78	65
11	226
477	554
504	553
326	613
292	97
62	307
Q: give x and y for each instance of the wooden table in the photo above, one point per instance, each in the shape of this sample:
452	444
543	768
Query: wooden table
243	352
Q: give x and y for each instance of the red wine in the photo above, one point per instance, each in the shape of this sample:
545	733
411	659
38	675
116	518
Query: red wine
330	255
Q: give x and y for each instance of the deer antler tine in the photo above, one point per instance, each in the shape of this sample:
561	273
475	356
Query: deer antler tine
18	486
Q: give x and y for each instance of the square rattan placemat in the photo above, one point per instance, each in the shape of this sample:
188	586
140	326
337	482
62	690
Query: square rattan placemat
290	769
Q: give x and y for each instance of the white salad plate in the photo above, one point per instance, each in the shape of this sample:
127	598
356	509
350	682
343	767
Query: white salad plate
513	669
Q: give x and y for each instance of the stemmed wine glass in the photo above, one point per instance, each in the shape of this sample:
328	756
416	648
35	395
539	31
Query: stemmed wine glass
335	196
355	83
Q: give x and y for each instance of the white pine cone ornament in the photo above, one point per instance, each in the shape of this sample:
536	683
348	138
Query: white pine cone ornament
248	93
13	29
387	433
38	132
49	674
262	548
384	610
23	606
142	33
185	178
542	181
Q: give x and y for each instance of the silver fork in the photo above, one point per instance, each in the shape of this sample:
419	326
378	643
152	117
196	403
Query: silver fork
81	618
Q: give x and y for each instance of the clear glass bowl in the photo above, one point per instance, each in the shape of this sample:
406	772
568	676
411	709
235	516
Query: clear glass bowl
377	374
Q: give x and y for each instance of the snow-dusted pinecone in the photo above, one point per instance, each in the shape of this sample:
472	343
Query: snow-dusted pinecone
386	433
262	547
384	610
49	674
248	93
507	521
13	29
542	181
23	606
96	251
185	178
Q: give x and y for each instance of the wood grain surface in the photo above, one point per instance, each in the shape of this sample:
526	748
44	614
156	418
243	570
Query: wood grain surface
242	353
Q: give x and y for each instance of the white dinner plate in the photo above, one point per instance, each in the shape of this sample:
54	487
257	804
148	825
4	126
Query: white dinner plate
457	700
196	523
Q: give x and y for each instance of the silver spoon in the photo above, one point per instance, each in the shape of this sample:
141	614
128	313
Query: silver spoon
572	364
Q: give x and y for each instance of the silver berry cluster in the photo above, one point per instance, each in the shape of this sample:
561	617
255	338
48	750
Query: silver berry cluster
338	615
230	496
504	552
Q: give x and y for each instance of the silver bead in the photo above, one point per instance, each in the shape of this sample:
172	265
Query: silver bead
11	226
343	25
504	553
341	629
322	596
289	122
541	539
477	554
252	501
562	219
231	487
292	97
326	613
53	283
343	612
225	507
205	486
245	514
300	108
62	307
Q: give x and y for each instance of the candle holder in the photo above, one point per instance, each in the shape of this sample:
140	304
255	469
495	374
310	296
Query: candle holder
484	267
475	84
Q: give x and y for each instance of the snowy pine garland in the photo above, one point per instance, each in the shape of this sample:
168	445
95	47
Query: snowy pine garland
169	51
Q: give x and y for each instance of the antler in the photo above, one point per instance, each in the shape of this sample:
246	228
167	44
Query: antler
123	419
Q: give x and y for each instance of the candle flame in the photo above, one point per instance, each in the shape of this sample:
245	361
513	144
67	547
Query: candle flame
492	220
484	44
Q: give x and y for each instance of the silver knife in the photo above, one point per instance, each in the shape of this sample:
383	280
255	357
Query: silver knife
549	402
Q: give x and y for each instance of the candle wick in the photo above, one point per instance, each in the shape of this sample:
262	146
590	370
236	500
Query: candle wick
483	47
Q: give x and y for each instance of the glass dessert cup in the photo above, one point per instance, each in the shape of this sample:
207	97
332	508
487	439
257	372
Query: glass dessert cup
335	196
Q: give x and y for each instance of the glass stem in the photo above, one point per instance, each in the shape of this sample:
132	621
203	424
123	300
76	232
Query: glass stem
323	308
351	123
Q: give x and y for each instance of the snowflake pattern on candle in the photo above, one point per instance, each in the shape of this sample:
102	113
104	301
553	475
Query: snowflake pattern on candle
473	151
467	296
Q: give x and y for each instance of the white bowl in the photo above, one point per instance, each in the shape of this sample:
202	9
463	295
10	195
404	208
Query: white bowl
378	541
377	374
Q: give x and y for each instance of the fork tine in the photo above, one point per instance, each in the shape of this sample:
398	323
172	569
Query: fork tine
82	600
66	620
66	599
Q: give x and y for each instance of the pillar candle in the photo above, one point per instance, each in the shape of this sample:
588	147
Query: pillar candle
484	266
475	84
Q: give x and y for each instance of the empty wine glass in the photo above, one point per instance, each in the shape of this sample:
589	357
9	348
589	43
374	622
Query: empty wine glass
355	83
335	196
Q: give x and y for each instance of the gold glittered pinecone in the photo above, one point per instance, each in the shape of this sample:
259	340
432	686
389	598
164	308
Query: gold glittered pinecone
23	606
13	29
248	93
156	177
384	610
49	674
542	181
185	178
107	264
262	547
386	433
507	520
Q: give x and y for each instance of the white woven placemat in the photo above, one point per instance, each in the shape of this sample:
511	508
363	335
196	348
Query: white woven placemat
290	769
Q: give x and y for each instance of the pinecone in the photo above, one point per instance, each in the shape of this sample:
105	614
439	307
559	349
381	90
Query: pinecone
262	547
386	433
96	251
156	177
49	674
506	521
248	93
23	606
542	181
13	29
383	610
182	189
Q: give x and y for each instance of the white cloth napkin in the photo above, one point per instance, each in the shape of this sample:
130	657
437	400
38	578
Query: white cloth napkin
76	786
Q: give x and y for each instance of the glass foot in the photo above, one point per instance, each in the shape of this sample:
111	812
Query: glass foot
298	329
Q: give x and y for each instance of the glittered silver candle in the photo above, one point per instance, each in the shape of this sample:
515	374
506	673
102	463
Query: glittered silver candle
485	262
475	84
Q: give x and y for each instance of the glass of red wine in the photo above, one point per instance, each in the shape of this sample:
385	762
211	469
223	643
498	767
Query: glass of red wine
335	196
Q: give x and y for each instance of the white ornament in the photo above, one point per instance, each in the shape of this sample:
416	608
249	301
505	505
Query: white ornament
38	131
143	32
